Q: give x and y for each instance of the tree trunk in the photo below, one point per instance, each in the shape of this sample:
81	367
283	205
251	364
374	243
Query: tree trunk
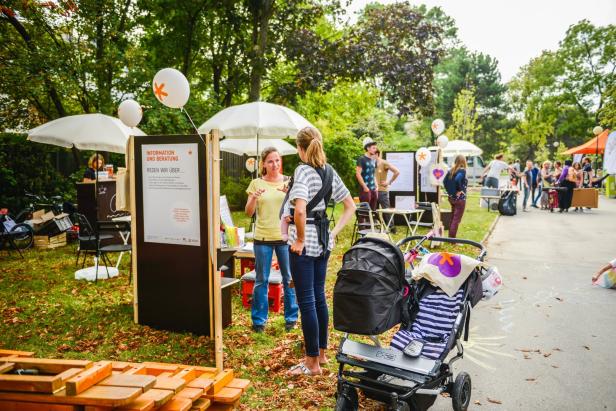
261	11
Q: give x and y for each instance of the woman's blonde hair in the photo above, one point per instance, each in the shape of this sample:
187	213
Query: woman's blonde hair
458	163
266	152
93	158
548	162
310	140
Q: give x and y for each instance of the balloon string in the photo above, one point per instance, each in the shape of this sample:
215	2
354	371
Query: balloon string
193	124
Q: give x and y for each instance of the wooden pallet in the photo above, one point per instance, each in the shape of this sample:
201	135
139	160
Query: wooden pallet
71	385
43	241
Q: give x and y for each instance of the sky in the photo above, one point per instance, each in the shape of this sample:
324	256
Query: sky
514	31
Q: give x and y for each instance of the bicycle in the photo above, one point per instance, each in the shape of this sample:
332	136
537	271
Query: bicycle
38	202
19	235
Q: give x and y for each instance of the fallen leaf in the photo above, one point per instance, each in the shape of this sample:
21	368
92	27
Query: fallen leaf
547	354
477	402
559	299
524	278
531	379
554	366
526	357
587	347
556	349
493	401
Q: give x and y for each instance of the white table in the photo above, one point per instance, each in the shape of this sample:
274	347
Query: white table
406	214
125	235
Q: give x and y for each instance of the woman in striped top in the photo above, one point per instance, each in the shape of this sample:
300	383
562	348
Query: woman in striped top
308	256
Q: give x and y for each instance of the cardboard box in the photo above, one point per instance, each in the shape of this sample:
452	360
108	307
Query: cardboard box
585	197
43	241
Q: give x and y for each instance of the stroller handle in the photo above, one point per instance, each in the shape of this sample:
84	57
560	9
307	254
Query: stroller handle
445	240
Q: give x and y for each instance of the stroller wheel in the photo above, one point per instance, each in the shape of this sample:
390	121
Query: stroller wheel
402	406
346	398
461	395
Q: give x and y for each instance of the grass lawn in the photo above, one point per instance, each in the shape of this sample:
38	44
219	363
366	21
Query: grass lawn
43	309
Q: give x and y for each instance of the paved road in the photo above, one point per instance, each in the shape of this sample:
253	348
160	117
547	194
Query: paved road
547	341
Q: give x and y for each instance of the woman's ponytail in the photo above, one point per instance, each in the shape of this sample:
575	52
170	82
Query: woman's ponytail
310	140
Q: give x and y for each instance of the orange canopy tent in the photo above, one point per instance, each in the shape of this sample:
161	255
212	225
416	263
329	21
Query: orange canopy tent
594	146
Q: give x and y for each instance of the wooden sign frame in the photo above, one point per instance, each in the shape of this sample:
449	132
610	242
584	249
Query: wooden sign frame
178	287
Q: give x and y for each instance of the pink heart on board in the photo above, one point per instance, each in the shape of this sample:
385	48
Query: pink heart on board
438	173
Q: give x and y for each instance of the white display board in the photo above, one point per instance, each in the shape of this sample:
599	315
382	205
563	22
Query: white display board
405	163
225	212
171	194
405	202
609	158
424	175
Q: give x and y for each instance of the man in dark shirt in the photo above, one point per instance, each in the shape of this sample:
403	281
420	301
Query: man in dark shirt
364	172
536	191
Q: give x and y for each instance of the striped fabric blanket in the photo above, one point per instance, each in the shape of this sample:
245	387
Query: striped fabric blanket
433	324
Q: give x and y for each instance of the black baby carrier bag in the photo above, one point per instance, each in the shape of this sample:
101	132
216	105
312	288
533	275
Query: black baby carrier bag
507	203
371	293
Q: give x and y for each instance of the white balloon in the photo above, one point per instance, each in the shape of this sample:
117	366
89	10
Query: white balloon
597	130
423	156
442	141
130	112
438	126
171	88
251	165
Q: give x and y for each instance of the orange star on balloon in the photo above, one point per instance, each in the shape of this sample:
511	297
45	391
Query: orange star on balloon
422	156
446	257
159	92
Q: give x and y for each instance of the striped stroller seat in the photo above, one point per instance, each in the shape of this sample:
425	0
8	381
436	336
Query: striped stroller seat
433	324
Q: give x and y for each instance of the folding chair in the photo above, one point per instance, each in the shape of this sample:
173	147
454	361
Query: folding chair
365	222
113	230
87	240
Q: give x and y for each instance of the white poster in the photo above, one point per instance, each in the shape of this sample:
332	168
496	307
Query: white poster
424	175
171	194
577	158
405	162
405	202
225	212
609	158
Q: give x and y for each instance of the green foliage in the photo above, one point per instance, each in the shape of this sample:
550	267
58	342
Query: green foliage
29	167
607	114
465	113
235	190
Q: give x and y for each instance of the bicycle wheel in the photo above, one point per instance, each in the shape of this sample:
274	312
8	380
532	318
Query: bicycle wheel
23	236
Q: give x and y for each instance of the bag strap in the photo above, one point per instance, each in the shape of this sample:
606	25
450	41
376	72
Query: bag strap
325	193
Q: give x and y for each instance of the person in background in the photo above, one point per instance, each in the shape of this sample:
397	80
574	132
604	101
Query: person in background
587	171
455	184
265	196
364	172
579	177
311	243
493	171
517	167
568	180
529	184
610	266
95	163
546	181
382	169
558	169
536	189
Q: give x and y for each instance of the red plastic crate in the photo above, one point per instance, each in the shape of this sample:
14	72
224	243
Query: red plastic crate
275	295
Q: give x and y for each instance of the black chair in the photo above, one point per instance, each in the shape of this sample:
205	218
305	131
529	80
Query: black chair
113	230
365	222
87	240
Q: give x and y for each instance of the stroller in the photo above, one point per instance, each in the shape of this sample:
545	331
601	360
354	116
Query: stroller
373	293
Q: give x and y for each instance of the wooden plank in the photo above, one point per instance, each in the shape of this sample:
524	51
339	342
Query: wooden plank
34	406
45	365
187	374
165	375
145	382
201	404
239	383
158	396
5	353
120	365
6	367
30	383
137	405
192	394
172	384
159	369
96	396
221	380
70	373
216	406
177	404
211	370
81	382
95	408
226	395
136	369
203	383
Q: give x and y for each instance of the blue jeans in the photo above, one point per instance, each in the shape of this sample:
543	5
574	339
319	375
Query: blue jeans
263	265
309	278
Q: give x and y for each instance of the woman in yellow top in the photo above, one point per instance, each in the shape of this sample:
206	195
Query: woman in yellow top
265	197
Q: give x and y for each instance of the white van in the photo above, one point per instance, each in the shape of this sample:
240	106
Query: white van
474	170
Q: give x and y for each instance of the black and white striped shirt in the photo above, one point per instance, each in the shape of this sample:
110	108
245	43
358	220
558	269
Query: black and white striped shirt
306	185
